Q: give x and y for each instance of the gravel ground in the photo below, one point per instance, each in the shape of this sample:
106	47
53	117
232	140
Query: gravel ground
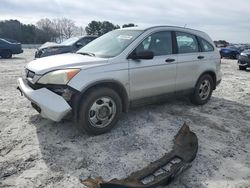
35	152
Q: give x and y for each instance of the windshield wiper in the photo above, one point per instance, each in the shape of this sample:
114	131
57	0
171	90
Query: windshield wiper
86	53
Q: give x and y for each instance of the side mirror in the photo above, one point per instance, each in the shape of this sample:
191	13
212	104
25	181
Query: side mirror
79	44
145	54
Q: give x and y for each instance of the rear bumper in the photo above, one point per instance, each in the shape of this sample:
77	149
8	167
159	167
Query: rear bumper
51	105
218	77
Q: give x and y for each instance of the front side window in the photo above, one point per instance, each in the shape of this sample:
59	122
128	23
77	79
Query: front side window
111	44
206	46
159	43
186	43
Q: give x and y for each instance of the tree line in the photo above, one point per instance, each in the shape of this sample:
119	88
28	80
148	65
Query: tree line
55	30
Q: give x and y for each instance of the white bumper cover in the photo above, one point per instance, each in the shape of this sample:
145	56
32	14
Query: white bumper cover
52	106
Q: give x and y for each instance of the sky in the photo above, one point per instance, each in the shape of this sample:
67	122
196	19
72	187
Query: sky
221	19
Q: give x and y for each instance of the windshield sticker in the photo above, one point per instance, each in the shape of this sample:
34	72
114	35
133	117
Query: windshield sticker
125	37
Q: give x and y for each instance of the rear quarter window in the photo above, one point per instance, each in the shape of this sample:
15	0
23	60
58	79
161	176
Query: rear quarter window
186	43
205	45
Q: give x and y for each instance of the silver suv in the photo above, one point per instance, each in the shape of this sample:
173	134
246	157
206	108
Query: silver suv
119	69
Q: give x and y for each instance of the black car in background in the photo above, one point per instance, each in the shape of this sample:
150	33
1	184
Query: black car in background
70	45
231	52
244	60
9	47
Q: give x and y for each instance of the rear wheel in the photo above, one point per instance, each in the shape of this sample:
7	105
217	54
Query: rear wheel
100	111
242	68
203	90
6	54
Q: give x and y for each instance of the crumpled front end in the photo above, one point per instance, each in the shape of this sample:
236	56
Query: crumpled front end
46	102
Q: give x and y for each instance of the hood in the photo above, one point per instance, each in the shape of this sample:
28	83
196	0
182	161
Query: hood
69	60
50	45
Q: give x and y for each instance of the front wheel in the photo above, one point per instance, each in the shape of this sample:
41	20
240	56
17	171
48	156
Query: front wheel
203	90
100	110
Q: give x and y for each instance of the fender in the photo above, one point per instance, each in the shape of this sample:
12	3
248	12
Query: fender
212	74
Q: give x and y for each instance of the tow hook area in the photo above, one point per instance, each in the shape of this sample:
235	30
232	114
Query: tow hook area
18	88
159	172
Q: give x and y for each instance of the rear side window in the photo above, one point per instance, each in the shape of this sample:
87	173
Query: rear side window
206	46
159	43
186	43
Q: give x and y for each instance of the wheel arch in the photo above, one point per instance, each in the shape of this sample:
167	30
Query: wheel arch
112	84
5	50
212	74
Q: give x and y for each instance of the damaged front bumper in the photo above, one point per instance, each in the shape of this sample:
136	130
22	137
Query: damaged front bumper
48	103
160	172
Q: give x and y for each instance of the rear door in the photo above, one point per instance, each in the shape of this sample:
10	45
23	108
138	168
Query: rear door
188	60
155	76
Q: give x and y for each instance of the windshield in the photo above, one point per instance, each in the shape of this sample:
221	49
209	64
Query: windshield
110	44
70	41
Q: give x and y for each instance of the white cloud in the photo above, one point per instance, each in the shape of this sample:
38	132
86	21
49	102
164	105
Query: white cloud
224	19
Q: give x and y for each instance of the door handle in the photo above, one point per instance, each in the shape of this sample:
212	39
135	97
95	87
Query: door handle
169	60
200	57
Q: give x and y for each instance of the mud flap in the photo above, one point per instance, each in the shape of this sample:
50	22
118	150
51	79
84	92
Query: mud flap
159	172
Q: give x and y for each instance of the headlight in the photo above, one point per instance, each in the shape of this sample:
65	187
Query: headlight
243	54
58	76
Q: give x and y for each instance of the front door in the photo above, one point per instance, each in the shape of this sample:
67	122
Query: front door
155	76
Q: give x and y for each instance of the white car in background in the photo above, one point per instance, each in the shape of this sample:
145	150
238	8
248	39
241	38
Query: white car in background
119	69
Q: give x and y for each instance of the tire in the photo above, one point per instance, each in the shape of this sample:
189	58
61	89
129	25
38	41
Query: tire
203	90
237	56
99	111
6	54
242	68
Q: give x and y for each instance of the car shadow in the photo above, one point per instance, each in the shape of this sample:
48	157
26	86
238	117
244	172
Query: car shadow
145	134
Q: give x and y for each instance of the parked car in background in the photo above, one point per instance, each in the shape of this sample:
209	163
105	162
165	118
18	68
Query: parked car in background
221	43
70	45
231	52
244	60
8	47
122	68
245	47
